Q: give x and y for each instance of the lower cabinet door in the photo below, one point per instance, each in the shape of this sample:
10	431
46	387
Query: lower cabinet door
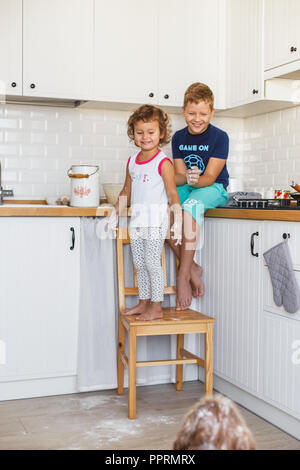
280	364
232	277
39	292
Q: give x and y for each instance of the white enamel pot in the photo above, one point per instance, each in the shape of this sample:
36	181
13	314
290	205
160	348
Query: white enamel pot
85	185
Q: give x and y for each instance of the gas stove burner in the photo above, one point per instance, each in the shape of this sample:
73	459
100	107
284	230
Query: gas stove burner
268	204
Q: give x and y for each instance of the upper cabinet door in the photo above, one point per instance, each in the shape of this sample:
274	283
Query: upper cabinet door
188	47
282	32
11	47
244	52
126	51
58	48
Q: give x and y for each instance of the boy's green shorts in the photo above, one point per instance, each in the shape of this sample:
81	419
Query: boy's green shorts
197	200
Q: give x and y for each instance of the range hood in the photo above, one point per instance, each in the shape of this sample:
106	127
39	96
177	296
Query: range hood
33	101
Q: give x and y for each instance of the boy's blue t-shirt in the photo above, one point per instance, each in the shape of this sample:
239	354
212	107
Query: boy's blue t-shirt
196	149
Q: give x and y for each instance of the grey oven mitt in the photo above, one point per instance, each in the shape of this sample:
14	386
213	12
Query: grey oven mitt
286	291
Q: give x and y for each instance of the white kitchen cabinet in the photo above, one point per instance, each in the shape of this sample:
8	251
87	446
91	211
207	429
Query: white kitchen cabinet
11	47
256	343
232	278
244	72
39	302
276	232
58	48
189	48
151	55
126	51
279	374
282	32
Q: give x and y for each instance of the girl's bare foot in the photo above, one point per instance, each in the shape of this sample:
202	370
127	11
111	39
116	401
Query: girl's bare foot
141	307
154	312
196	283
184	293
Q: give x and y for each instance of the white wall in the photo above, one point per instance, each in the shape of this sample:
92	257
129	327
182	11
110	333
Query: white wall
38	144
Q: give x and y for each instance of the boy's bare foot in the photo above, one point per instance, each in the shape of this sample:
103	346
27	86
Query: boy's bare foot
154	312
196	282
184	293
141	307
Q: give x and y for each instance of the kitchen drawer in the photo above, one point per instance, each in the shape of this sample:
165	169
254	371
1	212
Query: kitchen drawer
273	234
269	304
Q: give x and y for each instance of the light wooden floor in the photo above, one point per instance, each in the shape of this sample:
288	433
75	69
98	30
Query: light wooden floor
98	420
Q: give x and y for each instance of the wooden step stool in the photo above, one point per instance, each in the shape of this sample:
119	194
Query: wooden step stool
173	323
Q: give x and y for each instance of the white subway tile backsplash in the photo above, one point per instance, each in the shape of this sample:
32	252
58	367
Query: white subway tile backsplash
12	163
43	138
39	144
294	152
32	150
32	176
58	125
108	127
9	123
20	137
43	163
33	125
93	140
56	177
9	149
81	153
9	176
297	167
119	141
267	155
81	126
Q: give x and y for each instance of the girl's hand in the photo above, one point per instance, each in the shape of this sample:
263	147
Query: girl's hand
192	175
107	227
112	223
177	231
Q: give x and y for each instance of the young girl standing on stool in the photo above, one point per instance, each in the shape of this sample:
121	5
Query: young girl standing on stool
150	184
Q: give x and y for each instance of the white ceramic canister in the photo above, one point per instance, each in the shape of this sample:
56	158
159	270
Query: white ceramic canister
85	185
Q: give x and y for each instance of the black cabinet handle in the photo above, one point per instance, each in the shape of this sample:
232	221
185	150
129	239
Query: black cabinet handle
255	234
293	49
73	238
286	235
254	91
151	95
13	84
166	97
32	85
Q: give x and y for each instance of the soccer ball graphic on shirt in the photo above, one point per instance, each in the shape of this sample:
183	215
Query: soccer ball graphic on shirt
194	160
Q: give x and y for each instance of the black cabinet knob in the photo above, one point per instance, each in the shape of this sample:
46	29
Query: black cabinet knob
13	84
166	97
286	235
293	49
32	85
254	92
151	95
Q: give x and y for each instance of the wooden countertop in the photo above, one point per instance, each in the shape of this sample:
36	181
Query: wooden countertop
291	215
43	210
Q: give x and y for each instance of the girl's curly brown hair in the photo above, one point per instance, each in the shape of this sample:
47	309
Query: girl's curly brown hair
148	113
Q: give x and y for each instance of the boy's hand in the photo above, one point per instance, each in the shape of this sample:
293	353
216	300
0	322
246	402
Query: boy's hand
192	175
177	231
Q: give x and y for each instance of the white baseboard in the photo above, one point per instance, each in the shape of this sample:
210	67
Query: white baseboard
31	388
258	406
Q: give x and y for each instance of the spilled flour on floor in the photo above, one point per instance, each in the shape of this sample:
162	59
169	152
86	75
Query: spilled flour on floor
117	429
94	401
